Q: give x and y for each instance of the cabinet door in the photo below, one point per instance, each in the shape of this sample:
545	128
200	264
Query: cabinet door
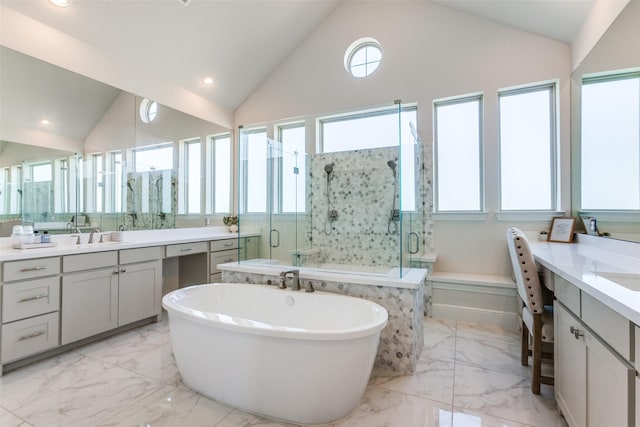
637	402
609	383
140	291
89	304
570	367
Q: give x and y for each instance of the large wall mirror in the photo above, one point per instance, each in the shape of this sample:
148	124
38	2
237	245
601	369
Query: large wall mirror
76	153
605	129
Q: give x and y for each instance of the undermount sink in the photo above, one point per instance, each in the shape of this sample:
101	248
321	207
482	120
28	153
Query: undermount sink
628	280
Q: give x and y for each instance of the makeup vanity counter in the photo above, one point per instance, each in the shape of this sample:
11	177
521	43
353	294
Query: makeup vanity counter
55	298
596	282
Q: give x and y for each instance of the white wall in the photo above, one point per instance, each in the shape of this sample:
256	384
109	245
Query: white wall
429	52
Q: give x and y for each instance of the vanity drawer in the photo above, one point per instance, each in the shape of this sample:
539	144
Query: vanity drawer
29	336
130	256
31	298
90	261
223	245
567	294
222	257
31	268
614	329
186	249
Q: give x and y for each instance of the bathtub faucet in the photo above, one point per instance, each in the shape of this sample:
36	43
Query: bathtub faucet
294	276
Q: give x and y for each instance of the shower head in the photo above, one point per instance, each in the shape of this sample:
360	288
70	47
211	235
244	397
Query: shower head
392	164
328	168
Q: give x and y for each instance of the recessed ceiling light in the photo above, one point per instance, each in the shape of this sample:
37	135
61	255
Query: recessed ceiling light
45	122
207	80
61	3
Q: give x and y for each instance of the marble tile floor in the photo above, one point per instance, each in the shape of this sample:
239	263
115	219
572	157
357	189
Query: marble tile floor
468	376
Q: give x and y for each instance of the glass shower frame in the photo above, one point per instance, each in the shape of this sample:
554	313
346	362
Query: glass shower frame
298	239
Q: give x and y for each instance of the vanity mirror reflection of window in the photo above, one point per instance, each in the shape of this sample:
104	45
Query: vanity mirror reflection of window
610	147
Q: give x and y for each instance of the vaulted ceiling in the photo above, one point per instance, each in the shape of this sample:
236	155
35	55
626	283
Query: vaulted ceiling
239	43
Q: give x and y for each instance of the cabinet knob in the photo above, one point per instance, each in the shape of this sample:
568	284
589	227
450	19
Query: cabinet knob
116	271
576	332
123	270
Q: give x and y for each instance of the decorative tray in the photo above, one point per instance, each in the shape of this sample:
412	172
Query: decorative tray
33	245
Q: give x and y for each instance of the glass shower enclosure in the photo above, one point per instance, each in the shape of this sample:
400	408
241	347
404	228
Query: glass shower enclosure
356	211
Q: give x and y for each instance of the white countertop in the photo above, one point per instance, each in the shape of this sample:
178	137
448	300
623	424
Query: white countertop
580	263
131	239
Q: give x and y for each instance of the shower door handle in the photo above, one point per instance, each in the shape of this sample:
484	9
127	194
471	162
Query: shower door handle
413	242
275	233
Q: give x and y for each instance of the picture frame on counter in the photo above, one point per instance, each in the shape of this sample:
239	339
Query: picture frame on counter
562	230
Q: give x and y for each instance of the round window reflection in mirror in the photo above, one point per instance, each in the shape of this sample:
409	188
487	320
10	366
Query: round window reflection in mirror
148	110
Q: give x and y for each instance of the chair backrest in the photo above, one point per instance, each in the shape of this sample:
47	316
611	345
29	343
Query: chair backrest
525	270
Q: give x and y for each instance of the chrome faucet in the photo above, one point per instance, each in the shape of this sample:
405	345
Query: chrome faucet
79	233
293	276
95	230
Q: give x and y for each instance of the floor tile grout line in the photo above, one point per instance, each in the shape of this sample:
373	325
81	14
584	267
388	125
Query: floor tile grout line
455	362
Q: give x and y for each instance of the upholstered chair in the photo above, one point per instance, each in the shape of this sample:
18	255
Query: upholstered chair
537	318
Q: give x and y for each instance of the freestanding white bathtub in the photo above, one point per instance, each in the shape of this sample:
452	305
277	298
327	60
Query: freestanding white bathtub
299	357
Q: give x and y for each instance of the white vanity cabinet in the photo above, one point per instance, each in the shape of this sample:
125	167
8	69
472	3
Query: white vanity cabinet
594	378
89	295
30	305
105	290
140	284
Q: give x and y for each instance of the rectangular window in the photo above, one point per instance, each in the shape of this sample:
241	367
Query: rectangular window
376	129
610	142
253	157
61	192
292	162
193	168
98	170
458	154
115	181
153	158
528	148
222	173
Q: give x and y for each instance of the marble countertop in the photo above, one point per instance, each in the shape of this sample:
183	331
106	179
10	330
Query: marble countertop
586	263
66	243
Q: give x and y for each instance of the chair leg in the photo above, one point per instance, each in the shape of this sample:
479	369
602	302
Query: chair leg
524	346
536	373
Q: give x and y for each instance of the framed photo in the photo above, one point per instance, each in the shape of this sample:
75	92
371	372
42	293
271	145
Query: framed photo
590	225
562	230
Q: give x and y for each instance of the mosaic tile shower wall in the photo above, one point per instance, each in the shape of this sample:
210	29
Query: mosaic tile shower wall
152	200
352	225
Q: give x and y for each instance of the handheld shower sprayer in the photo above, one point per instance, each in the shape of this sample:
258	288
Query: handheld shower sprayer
394	216
332	214
392	164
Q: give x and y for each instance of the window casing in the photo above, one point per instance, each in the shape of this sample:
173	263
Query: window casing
218	174
458	155
610	142
290	164
253	161
192	164
528	147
